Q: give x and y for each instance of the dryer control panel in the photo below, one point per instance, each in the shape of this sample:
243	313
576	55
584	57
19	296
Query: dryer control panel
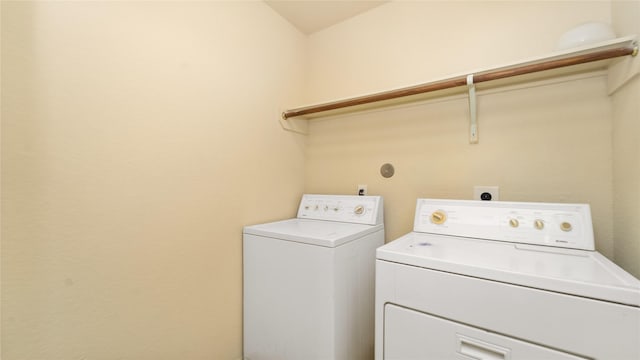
343	208
550	224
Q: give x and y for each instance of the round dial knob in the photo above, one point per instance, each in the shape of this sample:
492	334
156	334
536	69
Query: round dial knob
565	226
358	210
438	217
514	223
538	224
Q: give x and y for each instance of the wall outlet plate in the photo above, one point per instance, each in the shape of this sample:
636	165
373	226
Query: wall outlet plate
362	190
486	193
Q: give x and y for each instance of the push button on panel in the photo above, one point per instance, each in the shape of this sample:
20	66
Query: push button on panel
565	226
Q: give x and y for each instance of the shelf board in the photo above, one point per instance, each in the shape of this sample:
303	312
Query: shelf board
582	59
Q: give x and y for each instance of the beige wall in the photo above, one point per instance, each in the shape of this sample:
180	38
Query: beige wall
409	42
137	139
626	147
546	142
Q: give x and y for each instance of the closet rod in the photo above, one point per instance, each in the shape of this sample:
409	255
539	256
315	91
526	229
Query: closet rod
462	81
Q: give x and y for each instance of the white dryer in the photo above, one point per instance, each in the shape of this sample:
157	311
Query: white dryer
309	281
503	280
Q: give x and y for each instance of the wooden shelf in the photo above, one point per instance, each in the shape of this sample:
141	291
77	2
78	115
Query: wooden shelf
578	60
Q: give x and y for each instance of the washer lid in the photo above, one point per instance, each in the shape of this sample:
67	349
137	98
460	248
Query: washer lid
313	232
576	272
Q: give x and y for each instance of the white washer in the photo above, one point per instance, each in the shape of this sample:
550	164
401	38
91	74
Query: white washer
503	280
309	281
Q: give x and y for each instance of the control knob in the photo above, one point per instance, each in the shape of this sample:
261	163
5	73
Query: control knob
438	217
565	226
538	224
358	210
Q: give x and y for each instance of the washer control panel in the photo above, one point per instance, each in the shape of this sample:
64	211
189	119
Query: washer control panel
342	208
550	224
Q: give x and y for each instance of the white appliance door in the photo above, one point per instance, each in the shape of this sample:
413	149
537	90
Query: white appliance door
412	335
288	300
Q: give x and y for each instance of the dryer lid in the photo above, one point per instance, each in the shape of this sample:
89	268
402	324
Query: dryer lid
576	272
313	232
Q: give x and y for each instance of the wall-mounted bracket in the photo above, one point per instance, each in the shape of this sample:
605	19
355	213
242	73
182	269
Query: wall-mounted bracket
473	114
299	126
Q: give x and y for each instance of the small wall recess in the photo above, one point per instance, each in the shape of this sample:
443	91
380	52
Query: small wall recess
387	170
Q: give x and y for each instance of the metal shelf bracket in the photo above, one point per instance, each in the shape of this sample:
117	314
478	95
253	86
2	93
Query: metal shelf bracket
473	111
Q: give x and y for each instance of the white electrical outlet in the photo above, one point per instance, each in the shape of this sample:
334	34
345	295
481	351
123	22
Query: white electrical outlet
362	190
486	193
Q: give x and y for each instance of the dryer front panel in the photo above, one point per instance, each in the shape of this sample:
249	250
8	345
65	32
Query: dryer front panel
410	334
587	327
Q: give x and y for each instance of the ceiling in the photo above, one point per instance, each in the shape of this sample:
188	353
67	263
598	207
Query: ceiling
310	16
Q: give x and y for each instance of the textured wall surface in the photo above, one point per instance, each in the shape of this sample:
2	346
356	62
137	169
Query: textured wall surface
137	140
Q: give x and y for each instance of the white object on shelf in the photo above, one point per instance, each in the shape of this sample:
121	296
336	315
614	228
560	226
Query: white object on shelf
584	34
